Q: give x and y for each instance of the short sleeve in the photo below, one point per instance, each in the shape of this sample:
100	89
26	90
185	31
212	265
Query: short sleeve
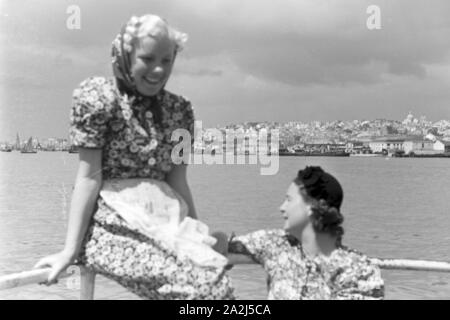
362	281
90	113
256	245
188	121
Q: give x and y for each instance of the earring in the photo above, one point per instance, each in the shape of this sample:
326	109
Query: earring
310	211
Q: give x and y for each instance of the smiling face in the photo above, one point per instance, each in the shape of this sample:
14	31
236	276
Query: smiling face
295	210
152	62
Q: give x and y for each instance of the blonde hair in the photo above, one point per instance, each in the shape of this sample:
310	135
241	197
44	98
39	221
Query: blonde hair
151	26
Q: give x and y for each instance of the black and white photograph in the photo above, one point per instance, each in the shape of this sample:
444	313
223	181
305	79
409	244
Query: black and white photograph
224	150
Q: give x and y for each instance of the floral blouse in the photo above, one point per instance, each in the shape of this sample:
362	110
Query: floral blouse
133	145
291	275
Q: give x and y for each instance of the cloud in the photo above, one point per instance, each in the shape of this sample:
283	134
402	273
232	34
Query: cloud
197	67
204	72
245	60
301	42
322	42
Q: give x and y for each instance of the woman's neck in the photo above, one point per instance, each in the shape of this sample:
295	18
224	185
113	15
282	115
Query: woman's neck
316	244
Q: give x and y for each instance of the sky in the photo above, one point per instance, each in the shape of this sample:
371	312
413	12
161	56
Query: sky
246	60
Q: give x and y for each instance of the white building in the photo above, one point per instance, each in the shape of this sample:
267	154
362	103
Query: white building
386	145
419	146
441	146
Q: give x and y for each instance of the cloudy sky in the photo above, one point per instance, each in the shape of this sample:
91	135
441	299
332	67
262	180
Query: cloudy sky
246	60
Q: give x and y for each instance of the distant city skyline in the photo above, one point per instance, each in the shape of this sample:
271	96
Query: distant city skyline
245	61
411	121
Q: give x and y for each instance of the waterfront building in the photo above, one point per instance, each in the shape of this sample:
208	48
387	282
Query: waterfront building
419	146
50	144
441	146
324	147
387	144
357	147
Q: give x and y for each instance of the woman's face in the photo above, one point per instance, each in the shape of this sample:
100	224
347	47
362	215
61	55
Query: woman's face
151	64
295	210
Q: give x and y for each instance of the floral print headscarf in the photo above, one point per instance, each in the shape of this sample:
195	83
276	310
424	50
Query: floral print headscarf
121	62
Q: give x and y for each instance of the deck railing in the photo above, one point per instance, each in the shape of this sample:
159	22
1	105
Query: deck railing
87	280
87	277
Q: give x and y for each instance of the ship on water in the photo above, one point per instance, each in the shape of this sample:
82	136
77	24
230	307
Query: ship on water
6	148
28	147
17	146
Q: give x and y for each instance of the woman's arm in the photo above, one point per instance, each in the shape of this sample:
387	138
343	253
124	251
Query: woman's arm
177	180
238	253
87	186
255	247
223	245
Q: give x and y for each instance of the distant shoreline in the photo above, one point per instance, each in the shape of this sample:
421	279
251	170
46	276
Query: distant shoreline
314	154
302	154
370	155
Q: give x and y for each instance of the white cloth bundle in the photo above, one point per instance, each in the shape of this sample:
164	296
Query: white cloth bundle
153	208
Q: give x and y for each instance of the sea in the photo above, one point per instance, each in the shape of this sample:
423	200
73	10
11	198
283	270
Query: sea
393	208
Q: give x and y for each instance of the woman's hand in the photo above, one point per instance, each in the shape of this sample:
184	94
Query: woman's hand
87	187
176	178
57	262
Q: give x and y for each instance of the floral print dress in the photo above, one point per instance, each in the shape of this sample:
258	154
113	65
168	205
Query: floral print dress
134	146
291	275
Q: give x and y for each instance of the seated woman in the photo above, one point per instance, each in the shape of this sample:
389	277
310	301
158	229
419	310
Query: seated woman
307	260
132	217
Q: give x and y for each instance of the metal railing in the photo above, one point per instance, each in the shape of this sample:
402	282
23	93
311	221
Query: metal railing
87	277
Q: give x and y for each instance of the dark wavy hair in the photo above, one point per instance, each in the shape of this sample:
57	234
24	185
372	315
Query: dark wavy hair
313	184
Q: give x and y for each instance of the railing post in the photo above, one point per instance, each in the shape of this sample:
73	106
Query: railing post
87	283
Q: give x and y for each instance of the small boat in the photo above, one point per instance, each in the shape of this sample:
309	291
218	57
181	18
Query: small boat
28	147
6	149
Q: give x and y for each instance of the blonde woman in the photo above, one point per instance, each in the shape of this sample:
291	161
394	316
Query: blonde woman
132	217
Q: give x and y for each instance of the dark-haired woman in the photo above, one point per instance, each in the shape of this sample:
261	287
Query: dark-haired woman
307	260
